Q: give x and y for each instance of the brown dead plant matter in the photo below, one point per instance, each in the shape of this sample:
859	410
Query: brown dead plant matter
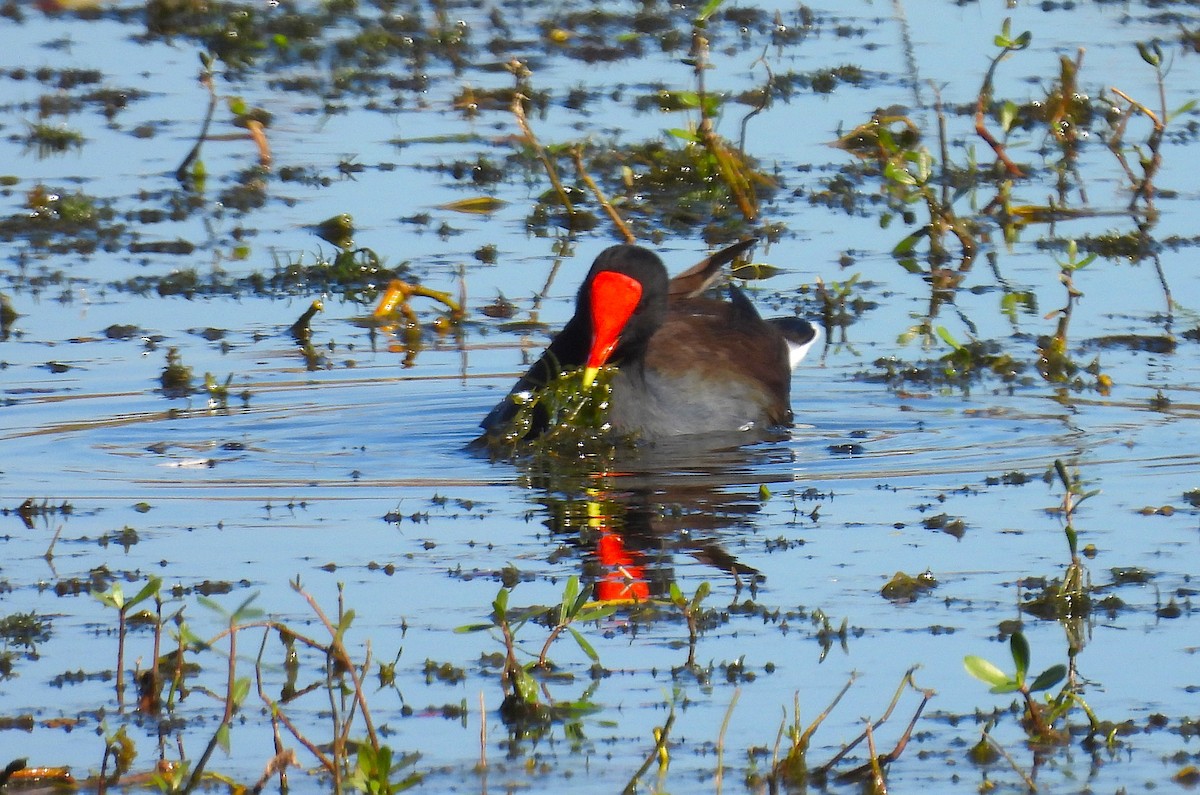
793	770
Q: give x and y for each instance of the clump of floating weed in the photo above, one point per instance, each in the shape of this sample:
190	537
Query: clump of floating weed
25	630
8	316
976	357
561	418
176	378
218	392
48	139
905	588
50	207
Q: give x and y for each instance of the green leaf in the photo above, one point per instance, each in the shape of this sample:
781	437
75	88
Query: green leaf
244	611
500	603
472	628
709	9
985	671
1151	53
223	737
686	135
344	625
584	645
241	688
907	244
948	338
1020	655
211	605
1061	469
148	590
1008	115
676	593
1048	678
701	594
526	686
580	602
570	594
754	270
1184	108
596	613
894	172
113	597
479	205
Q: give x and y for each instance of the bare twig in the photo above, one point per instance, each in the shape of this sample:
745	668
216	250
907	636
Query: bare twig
226	718
618	221
339	651
894	754
721	739
1012	763
660	745
205	80
985	95
1144	187
518	110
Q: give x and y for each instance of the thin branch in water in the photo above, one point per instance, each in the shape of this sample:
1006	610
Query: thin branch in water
339	651
181	173
721	739
618	221
1012	763
518	110
660	747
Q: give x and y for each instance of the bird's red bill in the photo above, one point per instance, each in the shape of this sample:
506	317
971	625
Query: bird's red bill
614	298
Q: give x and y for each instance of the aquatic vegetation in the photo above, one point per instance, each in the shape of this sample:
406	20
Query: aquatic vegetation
115	597
501	139
176	378
1040	719
575	418
8	316
521	704
1069	597
794	769
50	139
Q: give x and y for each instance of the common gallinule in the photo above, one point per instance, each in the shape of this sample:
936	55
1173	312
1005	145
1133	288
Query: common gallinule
687	364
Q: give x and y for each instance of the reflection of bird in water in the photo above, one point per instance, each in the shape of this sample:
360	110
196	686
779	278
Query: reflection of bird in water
631	538
686	364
